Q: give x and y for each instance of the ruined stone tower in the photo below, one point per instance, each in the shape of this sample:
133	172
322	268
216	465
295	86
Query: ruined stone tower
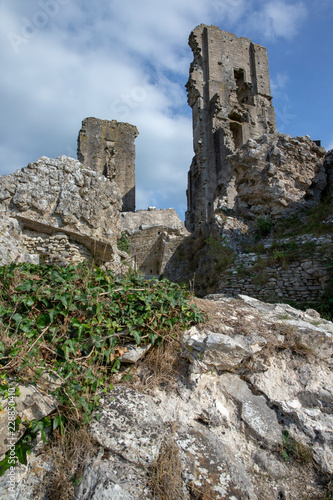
230	96
108	148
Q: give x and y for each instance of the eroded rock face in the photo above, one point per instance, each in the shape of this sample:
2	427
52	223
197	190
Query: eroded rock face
121	431
63	194
110	477
277	174
49	196
329	169
30	404
256	370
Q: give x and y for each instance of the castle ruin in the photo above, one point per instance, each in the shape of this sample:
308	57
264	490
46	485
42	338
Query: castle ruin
230	96
108	148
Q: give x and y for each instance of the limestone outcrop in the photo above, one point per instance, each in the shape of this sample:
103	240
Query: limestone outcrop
276	175
251	417
52	196
107	147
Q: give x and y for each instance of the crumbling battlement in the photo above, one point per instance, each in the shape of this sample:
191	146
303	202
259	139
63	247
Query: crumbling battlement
108	148
230	96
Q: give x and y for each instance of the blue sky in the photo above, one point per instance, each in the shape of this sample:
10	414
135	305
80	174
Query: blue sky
64	60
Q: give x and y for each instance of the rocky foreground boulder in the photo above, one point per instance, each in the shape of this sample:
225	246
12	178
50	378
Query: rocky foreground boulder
51	196
245	412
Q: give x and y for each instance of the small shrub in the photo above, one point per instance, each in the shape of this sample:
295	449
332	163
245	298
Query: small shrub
216	250
263	226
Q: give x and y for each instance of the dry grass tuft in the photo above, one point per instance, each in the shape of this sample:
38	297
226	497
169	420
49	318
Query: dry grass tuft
162	365
166	473
68	453
293	341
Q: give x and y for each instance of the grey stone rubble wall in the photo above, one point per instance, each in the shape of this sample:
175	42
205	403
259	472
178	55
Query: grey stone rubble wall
55	249
154	236
11	241
302	280
168	217
152	248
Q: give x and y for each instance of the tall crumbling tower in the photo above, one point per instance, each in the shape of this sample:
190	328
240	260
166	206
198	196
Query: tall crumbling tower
230	96
108	148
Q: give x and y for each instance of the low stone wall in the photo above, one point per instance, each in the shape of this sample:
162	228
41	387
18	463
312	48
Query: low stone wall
265	276
55	249
153	236
152	248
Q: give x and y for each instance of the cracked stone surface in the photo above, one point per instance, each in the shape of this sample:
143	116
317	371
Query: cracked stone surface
130	426
226	424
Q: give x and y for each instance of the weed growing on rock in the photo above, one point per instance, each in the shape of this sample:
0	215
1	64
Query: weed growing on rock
263	226
166	473
294	450
124	244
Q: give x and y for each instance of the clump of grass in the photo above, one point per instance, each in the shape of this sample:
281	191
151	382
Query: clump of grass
293	342
328	490
163	365
205	259
68	453
166	473
293	450
263	226
313	221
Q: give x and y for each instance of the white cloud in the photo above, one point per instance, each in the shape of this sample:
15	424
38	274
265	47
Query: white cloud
279	87
278	19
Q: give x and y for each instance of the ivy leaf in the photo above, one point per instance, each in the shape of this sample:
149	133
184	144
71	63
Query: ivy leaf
28	301
17	318
6	463
21	450
59	420
137	336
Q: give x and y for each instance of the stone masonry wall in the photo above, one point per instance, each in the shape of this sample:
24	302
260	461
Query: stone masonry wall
152	248
263	277
154	236
55	249
108	148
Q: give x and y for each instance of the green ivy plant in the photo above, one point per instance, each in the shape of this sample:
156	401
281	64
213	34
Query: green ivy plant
72	324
